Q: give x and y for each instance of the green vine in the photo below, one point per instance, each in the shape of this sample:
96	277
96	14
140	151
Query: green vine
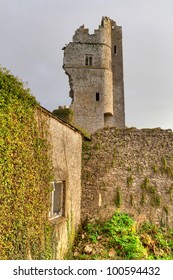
25	174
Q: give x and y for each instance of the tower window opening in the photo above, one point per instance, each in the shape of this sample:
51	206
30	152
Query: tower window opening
97	96
88	59
115	49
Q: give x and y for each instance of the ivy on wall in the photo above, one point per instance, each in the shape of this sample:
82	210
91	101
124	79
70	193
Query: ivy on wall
25	174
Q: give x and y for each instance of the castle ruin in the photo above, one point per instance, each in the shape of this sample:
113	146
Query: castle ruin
94	65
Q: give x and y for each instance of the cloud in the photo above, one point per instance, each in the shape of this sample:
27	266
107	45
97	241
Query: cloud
33	34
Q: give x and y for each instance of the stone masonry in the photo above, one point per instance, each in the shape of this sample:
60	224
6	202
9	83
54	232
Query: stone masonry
131	170
65	153
94	65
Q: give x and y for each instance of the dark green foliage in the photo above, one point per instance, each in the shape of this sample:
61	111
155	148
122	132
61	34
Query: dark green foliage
94	230
123	236
128	239
25	173
66	114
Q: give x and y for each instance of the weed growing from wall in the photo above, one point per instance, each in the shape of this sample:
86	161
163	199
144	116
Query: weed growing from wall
131	200
165	168
164	164
25	175
143	198
156	200
151	190
129	181
118	198
155	168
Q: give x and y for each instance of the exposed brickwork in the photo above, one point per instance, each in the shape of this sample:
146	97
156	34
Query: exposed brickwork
129	169
103	76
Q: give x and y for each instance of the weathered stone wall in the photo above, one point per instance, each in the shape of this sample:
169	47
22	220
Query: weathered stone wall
104	76
65	151
130	170
118	79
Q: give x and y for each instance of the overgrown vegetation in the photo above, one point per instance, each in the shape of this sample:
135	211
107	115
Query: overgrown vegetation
25	174
122	238
66	114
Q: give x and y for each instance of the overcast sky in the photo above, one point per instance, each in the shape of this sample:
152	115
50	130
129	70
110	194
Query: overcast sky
33	33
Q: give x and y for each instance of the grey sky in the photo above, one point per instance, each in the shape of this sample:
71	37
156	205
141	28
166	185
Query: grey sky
33	33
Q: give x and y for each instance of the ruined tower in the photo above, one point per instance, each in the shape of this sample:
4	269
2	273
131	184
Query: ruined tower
94	65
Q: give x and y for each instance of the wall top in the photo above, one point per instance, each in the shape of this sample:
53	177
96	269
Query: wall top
82	34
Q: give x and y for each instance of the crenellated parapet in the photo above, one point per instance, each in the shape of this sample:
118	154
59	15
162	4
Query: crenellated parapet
93	63
102	35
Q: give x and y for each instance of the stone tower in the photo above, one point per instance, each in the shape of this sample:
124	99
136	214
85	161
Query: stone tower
94	65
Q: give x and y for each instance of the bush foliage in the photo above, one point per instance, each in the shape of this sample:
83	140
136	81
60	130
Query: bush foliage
122	238
66	114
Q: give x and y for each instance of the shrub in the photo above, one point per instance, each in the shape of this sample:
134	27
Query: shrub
122	230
